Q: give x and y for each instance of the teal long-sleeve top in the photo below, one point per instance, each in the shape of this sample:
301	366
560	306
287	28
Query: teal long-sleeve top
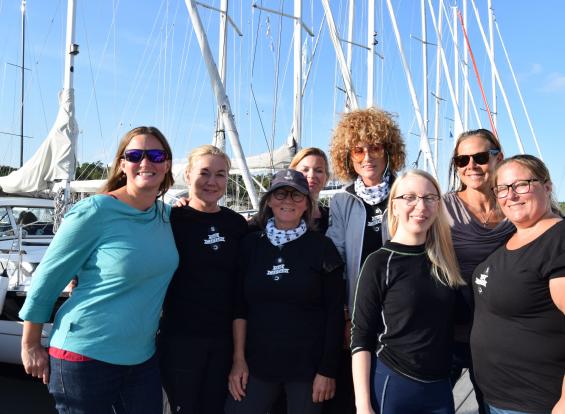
124	259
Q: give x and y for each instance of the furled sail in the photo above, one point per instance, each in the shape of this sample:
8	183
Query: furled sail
55	159
258	164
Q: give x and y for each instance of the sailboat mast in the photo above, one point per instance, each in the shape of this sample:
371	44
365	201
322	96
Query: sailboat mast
297	121
219	134
425	72
371	52
222	101
492	75
23	9
345	73
424	142
71	47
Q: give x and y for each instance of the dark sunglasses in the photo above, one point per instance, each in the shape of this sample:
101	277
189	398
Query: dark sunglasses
156	156
480	158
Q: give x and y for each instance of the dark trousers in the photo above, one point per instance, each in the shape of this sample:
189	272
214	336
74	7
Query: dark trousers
194	373
462	359
261	395
393	393
96	387
343	401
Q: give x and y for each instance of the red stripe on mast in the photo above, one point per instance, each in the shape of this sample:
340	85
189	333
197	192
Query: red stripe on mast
493	128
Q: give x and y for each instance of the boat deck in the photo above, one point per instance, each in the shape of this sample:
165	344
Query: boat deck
464	396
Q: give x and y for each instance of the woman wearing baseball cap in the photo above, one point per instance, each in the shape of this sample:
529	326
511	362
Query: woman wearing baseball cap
289	315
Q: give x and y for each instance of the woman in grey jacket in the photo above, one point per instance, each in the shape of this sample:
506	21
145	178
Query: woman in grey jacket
367	150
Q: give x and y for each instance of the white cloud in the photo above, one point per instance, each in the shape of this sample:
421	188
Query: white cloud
536	69
554	82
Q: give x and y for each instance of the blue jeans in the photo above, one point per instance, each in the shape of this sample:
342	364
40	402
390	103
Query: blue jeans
494	410
393	393
96	387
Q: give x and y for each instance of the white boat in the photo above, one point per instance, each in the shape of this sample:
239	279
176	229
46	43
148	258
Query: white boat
26	229
31	200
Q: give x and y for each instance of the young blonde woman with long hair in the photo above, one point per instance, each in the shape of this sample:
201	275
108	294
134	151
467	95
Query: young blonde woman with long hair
404	307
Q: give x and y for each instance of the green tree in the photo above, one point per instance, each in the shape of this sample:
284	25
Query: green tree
6	169
91	171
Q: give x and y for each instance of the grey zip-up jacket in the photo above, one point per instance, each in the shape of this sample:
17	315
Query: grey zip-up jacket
348	217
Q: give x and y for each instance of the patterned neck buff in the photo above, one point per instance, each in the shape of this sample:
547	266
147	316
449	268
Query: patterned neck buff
279	237
373	195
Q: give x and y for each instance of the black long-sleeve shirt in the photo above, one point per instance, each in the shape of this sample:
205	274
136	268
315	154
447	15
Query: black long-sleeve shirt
404	313
199	302
292	298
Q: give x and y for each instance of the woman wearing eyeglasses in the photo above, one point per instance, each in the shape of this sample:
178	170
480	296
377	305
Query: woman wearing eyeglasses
405	305
367	151
195	337
119	243
518	336
289	319
477	229
313	163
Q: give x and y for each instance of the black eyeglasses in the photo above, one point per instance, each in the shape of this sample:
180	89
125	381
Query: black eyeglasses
519	187
412	199
295	195
480	158
156	156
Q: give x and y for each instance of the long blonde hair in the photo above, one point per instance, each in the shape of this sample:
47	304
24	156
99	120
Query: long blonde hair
439	246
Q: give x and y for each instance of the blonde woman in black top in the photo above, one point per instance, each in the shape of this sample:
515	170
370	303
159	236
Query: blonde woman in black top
404	307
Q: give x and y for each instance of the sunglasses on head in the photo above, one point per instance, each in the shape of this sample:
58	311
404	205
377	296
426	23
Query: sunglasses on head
156	156
480	158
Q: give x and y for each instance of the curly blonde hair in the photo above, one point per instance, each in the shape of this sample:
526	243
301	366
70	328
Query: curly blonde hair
368	126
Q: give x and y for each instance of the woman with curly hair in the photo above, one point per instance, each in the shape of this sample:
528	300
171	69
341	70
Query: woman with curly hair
367	150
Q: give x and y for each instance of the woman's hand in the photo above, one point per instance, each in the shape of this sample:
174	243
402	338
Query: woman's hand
36	361
559	408
238	378
182	202
323	388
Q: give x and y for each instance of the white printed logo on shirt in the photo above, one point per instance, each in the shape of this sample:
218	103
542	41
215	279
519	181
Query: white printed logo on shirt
278	270
376	219
214	238
481	281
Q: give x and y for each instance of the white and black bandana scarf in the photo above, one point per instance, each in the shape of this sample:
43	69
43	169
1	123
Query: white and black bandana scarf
279	237
373	195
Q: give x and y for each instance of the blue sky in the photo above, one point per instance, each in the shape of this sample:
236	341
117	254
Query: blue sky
140	64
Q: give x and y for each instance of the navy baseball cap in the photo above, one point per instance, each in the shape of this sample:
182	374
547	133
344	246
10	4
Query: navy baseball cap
290	178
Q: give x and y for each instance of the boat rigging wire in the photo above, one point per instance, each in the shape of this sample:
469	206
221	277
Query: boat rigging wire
254	47
472	56
518	89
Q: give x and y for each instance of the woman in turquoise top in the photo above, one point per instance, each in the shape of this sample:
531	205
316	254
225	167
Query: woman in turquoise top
119	244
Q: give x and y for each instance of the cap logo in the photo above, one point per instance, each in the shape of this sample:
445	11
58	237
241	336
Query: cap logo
288	175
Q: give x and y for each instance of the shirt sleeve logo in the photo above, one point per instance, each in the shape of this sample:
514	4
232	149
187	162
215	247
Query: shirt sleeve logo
481	280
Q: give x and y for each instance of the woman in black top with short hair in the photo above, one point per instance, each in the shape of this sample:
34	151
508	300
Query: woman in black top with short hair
195	340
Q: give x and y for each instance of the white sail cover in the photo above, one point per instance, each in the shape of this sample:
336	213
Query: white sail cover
258	164
55	159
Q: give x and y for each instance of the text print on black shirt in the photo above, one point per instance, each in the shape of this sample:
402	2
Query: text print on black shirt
376	219
481	281
214	239
278	270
